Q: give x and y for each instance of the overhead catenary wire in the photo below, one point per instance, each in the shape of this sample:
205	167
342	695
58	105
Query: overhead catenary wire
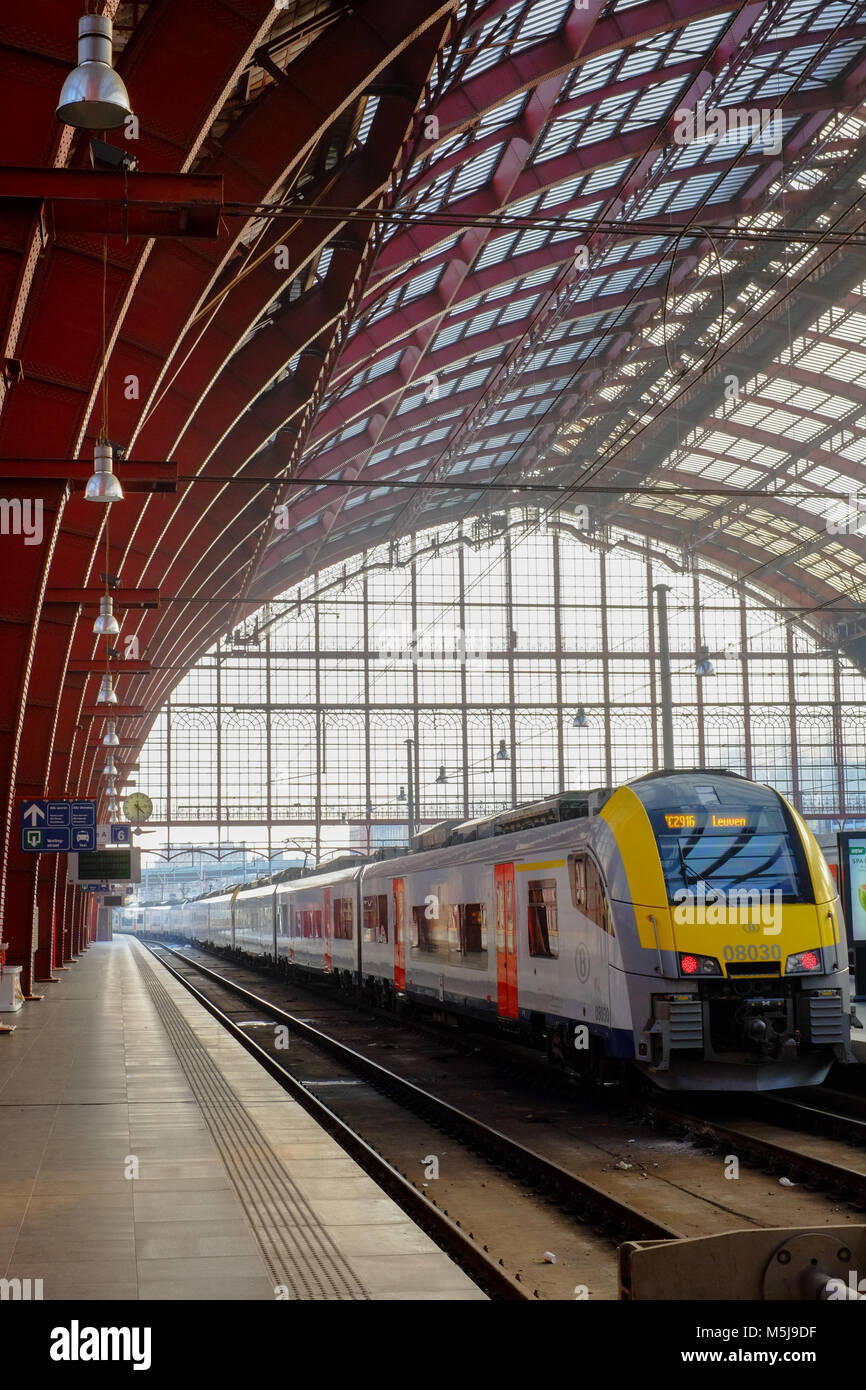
640	227
637	228
475	487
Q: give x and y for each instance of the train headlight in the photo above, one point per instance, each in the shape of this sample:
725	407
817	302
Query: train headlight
804	963
699	965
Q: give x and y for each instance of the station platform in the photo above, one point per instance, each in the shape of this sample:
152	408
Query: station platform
146	1155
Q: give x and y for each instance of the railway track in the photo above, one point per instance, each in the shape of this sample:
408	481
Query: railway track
317	1063
739	1138
819	1112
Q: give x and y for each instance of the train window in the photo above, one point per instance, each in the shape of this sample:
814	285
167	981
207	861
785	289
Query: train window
596	900
473	928
587	891
344	919
422	930
543	928
467	935
577	879
308	923
376	918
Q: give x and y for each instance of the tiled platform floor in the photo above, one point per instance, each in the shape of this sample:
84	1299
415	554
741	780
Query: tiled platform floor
91	1085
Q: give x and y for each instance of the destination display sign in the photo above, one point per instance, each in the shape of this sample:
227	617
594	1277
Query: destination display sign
714	820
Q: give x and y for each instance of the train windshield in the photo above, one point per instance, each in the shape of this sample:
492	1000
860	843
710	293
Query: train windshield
726	837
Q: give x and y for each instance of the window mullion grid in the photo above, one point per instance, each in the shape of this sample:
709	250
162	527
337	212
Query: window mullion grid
368	791
512	722
838	746
744	666
416	728
605	667
696	614
320	731
792	721
651	651
464	714
557	638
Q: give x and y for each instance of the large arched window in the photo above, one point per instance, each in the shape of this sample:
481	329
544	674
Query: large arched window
518	660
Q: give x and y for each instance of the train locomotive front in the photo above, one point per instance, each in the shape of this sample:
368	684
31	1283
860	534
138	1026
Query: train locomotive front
730	934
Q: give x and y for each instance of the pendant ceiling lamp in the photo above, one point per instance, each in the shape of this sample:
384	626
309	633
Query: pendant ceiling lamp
107	694
93	97
106	624
103	486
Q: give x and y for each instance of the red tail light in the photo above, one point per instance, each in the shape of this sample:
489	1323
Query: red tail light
689	965
809	960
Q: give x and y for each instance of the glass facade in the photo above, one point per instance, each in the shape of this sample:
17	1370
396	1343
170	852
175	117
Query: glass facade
521	659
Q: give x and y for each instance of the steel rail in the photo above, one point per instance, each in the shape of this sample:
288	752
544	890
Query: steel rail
447	1233
848	1183
593	1203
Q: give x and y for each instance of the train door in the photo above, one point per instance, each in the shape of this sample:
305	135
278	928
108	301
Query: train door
234	917
593	936
506	941
327	931
399	936
359	925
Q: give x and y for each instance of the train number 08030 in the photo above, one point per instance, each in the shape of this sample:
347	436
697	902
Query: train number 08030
762	952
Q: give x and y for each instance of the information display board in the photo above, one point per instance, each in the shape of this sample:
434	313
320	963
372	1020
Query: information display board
119	865
56	827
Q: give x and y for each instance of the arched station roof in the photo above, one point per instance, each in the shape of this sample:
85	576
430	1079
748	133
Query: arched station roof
466	259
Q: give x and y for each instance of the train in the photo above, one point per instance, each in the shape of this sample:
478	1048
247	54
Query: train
683	924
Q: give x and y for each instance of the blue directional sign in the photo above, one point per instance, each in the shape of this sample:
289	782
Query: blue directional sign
56	827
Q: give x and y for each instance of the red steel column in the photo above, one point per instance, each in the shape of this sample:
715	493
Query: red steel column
46	923
75	937
19	915
61	896
68	926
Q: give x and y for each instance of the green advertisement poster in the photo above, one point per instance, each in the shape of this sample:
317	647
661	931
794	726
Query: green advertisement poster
857	871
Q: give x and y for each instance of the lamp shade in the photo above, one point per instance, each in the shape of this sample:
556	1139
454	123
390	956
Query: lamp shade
107	695
93	97
102	486
109	738
106	624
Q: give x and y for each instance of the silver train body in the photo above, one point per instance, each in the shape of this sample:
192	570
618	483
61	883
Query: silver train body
574	932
